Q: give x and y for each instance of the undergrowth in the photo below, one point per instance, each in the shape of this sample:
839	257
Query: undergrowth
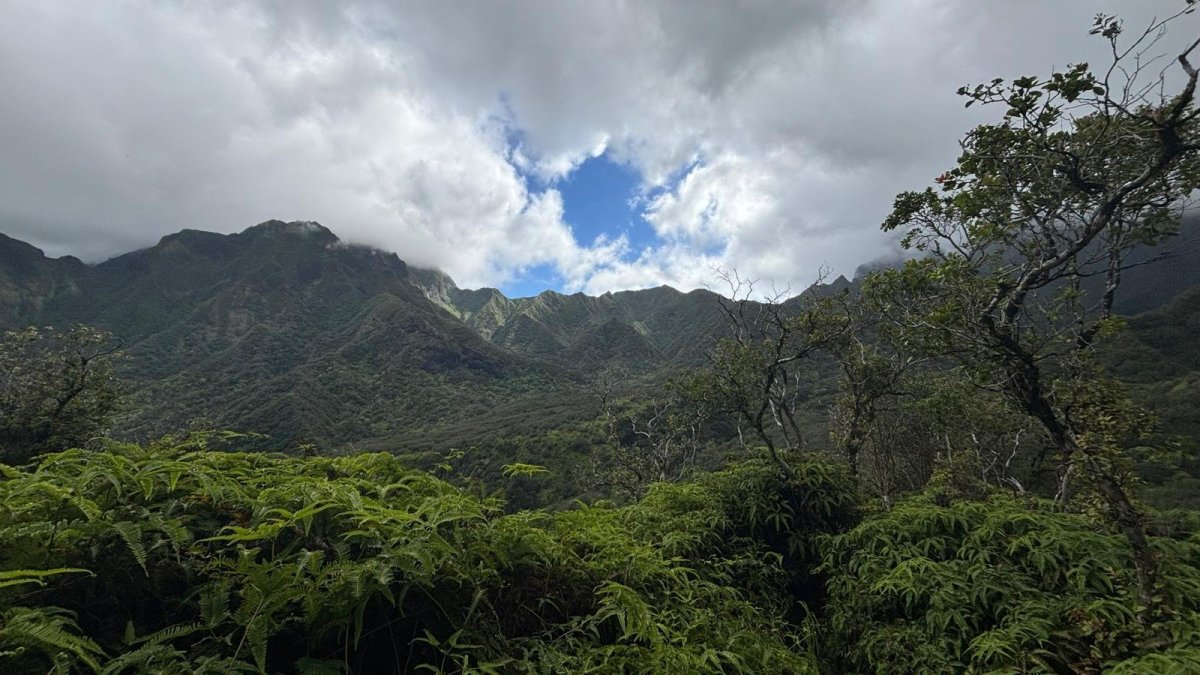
171	559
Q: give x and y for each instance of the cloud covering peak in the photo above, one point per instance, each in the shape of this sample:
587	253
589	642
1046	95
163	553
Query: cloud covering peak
767	136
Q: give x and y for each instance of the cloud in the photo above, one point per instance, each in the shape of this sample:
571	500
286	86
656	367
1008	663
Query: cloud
770	136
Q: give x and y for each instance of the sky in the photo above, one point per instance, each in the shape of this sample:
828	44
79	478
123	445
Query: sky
577	146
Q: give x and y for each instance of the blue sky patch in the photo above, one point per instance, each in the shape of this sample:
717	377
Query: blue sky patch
533	280
596	200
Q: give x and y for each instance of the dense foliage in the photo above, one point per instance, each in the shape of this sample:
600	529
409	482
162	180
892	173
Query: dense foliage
172	559
1008	585
57	389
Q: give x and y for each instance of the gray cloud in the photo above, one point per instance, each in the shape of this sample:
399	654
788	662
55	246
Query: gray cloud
388	122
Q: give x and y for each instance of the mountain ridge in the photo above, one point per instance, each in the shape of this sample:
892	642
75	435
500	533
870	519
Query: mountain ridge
280	328
285	329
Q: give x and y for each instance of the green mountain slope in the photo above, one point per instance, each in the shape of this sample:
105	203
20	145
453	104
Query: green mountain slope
642	332
1159	358
30	280
281	329
286	330
1159	355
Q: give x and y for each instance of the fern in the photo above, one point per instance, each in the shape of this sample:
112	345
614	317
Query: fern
250	563
20	577
1000	585
518	469
50	631
131	534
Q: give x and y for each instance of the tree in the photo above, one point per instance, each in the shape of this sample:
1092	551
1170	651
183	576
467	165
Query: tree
654	440
1083	167
901	413
874	372
757	373
57	389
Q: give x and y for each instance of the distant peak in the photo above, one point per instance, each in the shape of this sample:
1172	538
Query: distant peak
17	246
189	235
432	277
301	228
661	289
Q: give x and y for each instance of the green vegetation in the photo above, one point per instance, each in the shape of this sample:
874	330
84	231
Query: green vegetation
1007	585
171	558
57	390
954	468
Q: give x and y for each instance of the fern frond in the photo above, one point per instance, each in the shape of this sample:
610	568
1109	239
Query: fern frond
19	577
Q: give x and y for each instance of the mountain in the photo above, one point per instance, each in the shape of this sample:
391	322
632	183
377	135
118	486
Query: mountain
281	328
29	280
639	331
1160	357
1156	275
286	330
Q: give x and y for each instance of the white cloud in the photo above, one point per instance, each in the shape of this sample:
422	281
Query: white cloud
770	136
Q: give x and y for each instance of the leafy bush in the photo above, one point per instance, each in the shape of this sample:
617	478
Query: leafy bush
174	560
57	389
1007	585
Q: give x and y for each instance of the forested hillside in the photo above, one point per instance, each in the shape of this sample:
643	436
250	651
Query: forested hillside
280	329
286	331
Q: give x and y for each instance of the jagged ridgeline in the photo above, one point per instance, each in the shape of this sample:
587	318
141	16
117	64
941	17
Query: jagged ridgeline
285	330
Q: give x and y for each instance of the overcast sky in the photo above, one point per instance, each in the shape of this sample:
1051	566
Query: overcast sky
587	146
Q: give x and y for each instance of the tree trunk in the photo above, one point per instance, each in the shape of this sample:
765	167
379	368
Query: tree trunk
1026	387
1131	523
